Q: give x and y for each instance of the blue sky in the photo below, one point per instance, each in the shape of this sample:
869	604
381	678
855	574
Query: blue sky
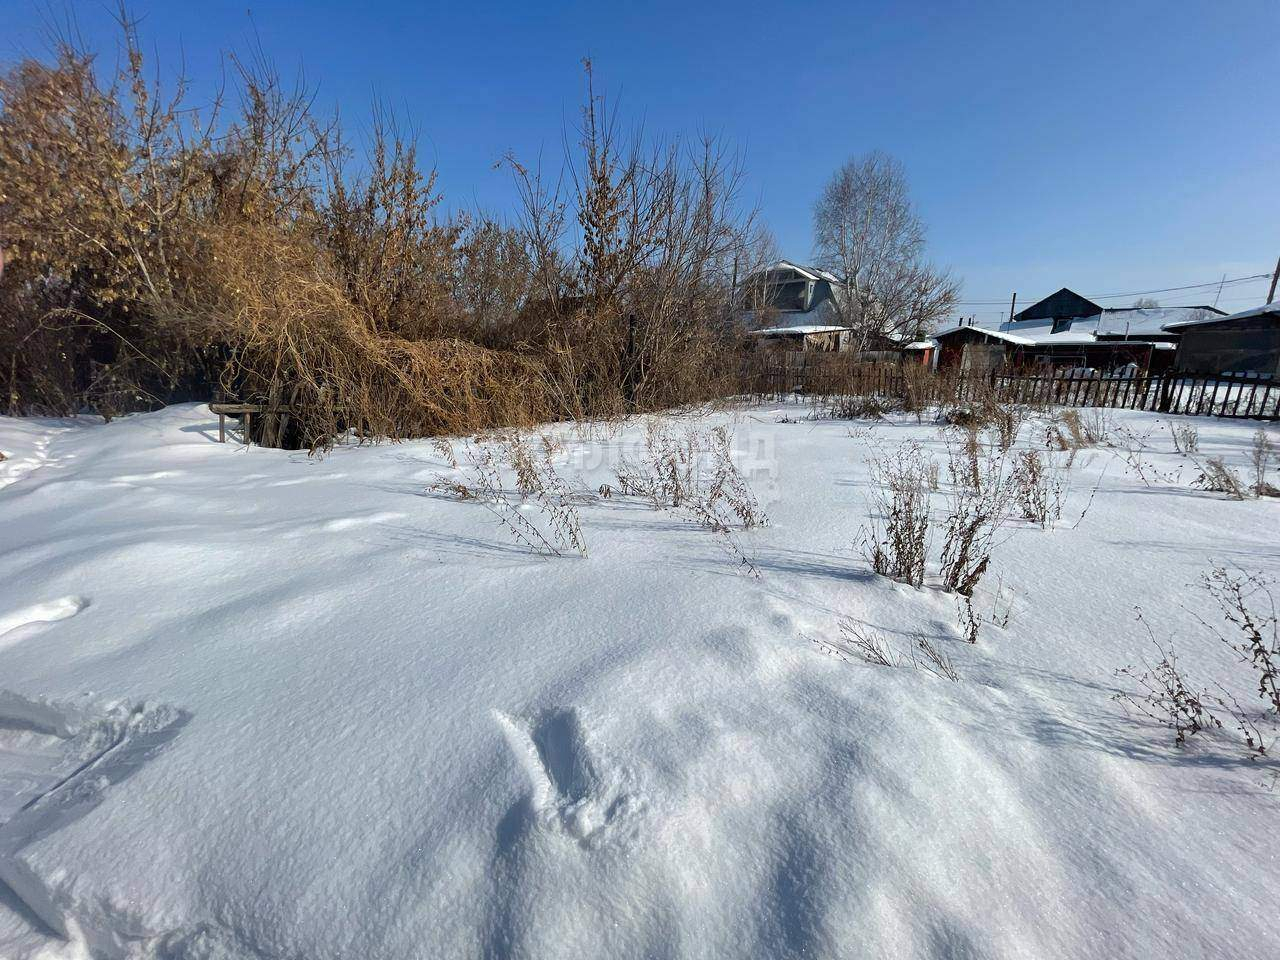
1110	147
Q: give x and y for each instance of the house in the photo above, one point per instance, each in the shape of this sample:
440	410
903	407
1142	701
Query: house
794	308
1068	331
1243	343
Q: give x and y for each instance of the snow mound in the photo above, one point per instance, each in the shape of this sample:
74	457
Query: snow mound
338	717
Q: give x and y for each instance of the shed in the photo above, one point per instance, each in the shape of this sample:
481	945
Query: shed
1245	343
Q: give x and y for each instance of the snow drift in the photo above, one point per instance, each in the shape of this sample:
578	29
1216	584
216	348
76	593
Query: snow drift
256	705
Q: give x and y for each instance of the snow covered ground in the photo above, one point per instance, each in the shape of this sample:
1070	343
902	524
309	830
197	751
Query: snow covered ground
256	705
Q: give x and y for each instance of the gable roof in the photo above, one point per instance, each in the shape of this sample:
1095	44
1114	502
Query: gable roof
990	332
1056	306
808	273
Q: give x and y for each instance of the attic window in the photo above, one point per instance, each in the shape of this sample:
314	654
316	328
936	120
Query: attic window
1061	324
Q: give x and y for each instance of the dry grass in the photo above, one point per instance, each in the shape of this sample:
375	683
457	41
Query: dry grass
1186	438
1038	490
1216	477
977	502
1262	453
692	475
861	642
1073	430
537	484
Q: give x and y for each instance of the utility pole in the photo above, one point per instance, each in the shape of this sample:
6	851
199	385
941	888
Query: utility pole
1014	302
1271	294
1224	280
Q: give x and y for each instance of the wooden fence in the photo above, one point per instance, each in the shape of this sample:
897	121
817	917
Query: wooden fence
1251	397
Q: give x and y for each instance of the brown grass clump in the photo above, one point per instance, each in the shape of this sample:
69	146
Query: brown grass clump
1217	477
1037	489
1072	430
295	339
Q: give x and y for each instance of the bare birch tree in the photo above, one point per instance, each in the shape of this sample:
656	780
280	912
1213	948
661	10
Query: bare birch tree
867	233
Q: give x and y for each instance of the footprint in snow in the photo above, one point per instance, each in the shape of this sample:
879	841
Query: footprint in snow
573	792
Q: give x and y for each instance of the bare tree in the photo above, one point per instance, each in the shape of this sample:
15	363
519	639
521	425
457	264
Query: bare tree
635	303
1145	303
866	231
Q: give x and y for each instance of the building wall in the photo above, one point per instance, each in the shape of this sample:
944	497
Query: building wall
1247	346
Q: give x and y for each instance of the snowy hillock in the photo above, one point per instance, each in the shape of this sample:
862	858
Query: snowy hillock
587	695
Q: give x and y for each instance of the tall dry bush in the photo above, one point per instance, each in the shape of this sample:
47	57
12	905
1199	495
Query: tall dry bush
636	316
158	251
978	502
295	338
99	176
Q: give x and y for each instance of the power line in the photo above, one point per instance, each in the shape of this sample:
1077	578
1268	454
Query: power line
1134	293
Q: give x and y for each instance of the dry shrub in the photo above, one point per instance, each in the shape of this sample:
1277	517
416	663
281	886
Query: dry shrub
1216	477
1262	451
692	475
1247	609
1006	422
846	407
1168	697
628	308
923	390
977	503
897	541
1245	602
537	484
295	339
1186	439
970	622
150	260
1072	430
1038	490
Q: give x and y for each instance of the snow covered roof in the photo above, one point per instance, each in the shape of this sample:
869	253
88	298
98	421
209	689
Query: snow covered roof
1242	315
809	273
1082	331
920	345
1131	321
1041	332
989	331
797	330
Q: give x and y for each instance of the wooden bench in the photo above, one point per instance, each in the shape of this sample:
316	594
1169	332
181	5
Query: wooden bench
245	410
